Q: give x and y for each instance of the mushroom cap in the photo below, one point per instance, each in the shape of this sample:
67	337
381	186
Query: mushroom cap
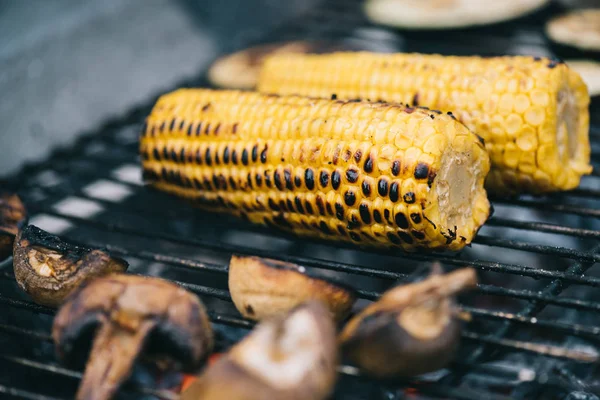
48	269
262	288
182	331
287	357
410	330
13	217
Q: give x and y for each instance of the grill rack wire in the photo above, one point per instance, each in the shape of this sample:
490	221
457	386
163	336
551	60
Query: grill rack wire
507	326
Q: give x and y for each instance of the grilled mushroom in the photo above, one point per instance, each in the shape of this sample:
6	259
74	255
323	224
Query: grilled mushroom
129	315
12	217
287	357
263	287
411	330
48	269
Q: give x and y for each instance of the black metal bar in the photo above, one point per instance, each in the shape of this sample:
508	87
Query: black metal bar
544	227
24	394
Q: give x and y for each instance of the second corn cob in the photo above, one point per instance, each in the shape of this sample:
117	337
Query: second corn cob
532	112
368	173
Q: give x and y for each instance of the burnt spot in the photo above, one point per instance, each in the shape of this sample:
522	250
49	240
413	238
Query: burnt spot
353	223
162	127
282	205
366	188
308	207
165	152
149	175
324	178
255	153
537	58
155	153
393	238
216	182
174	155
309	179
277	179
287	175
382	187
298	181
245	156
368	165
431	178
324	228
232	183
329	208
197	184
290	205
217	128
552	64
207	129
386	214
272	205
299	206
349	198
226	155
320	205
182	154
365	214
354	236
172	125
336	154
249	180
263	155
234	128
377	216
396	168
347	155
281	221
339	211
144	129
206	107
334	96
207	184
421	171
415	99
409	198
394	191
190	157
358	155
234	157
418	235
198	129
336	179
352	175
405	237
481	140
409	110
181	125
431	116
190	129
268	179
401	220
258	180
341	230
416	218
208	157
217	158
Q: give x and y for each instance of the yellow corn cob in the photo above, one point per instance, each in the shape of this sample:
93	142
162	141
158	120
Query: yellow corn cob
532	112
369	173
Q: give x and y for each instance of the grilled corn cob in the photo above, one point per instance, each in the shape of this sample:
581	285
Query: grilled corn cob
369	173
532	112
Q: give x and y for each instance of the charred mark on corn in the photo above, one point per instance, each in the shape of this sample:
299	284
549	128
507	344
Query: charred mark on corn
336	179
382	187
409	198
352	175
309	179
349	198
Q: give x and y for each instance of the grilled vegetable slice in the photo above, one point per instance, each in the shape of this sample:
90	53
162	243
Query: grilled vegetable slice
444	14
532	112
49	269
12	217
579	28
288	357
368	173
410	330
261	288
129	315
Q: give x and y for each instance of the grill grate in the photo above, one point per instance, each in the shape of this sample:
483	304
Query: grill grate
535	331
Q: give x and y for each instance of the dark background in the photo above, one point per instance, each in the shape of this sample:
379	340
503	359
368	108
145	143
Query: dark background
67	65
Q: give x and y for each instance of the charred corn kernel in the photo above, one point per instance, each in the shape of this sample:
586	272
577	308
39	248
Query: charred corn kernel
517	104
367	173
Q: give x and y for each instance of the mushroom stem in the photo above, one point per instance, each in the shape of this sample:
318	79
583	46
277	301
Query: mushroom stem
114	351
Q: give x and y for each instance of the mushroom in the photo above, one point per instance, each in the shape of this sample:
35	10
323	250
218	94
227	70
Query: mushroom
412	329
128	315
12	217
290	356
48	269
262	287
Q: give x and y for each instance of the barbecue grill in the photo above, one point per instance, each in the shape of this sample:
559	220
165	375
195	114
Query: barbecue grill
535	316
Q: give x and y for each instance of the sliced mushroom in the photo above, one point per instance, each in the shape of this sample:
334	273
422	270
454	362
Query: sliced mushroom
410	330
262	287
129	315
287	357
12	217
48	269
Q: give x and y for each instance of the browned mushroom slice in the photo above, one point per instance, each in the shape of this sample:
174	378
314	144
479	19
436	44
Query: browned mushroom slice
263	287
411	330
129	314
12	217
48	269
287	357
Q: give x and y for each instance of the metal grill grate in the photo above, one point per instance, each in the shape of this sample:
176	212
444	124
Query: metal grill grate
536	323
